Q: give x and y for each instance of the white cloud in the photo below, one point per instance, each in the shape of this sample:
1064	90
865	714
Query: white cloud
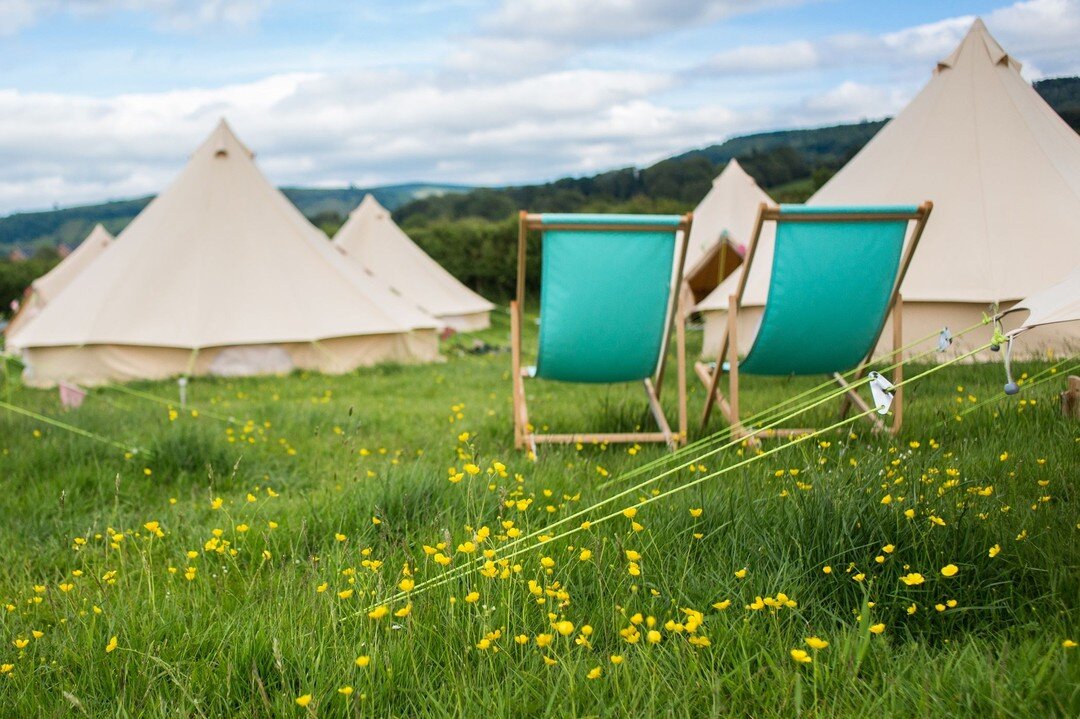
612	19
16	15
767	59
1044	28
334	129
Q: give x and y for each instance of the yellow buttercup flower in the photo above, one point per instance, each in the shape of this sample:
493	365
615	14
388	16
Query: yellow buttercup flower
913	579
379	612
994	550
363	661
816	643
877	628
111	645
741	573
949	570
594	673
303	700
564	628
801	656
345	691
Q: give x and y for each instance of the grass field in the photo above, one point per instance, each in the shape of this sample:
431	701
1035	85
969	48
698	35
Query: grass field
247	568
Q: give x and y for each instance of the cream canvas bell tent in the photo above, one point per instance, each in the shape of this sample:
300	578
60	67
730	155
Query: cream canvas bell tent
49	285
1003	172
723	221
220	274
379	248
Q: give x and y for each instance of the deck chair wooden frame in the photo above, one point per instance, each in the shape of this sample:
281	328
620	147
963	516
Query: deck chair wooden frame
729	347
525	437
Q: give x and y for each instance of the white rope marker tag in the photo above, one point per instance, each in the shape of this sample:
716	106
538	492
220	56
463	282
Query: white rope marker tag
882	391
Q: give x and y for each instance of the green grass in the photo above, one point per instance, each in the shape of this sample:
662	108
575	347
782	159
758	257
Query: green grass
249	634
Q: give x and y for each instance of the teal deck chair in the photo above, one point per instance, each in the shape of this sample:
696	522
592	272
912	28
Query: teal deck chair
835	280
609	301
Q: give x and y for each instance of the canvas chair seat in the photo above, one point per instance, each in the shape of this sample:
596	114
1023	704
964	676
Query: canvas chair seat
835	278
607	302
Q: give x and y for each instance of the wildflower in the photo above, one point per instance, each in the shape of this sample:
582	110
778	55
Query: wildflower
1069	644
111	645
547	562
653	636
630	512
994	550
266	554
949	570
406	584
913	579
816	643
586	555
472	597
940	607
189	574
594	673
345	691
617	658
722	605
887	499
800	656
363	660
404	611
21	643
216	503
889	548
632	556
543	640
303	700
564	628
741	573
827	569
472	469
909	513
859	577
912	608
242	528
695	513
340	537
550	662
378	612
877	628
522	639
6	668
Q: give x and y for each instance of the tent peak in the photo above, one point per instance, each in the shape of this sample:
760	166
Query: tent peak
979	40
222	142
369	205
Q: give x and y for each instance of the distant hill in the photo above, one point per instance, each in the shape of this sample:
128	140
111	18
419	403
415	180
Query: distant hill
69	225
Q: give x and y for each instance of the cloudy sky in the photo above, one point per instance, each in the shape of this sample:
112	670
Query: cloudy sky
103	99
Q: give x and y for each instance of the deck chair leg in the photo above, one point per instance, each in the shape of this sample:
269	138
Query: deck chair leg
658	413
898	371
680	352
737	431
515	376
